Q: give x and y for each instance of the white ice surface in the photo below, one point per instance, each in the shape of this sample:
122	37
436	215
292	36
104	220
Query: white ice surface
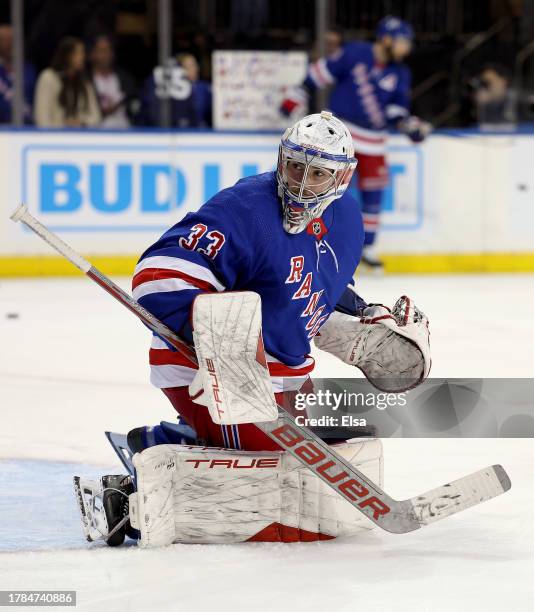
74	364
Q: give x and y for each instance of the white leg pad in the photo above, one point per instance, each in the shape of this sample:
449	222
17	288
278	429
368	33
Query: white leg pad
197	495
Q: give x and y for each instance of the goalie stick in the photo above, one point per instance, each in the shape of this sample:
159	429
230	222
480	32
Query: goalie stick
384	511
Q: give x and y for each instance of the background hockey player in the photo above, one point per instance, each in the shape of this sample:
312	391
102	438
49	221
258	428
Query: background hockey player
294	238
371	93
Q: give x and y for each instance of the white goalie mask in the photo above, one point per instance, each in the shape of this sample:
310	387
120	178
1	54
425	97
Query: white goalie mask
315	164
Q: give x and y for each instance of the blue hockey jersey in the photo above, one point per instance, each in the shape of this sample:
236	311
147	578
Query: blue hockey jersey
367	96
236	242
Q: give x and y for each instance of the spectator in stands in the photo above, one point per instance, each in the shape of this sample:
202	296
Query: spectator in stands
333	42
6	78
64	95
114	87
495	100
190	98
201	89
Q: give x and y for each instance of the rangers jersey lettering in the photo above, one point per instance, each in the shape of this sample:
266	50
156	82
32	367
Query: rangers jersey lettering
236	242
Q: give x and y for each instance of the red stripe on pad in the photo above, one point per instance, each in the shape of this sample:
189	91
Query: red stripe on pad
276	532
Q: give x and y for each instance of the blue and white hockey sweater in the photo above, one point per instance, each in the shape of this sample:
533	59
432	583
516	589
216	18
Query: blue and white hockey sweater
367	96
236	242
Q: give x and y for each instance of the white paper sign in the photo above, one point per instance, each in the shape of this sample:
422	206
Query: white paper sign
249	86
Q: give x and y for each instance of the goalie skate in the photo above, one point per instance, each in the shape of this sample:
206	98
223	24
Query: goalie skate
103	506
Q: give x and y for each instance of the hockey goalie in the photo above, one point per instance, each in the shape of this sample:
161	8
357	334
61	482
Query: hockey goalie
249	281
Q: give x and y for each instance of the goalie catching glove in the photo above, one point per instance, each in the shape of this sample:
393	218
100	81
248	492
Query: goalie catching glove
392	348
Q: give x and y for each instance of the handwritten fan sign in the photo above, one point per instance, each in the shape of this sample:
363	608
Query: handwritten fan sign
249	86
